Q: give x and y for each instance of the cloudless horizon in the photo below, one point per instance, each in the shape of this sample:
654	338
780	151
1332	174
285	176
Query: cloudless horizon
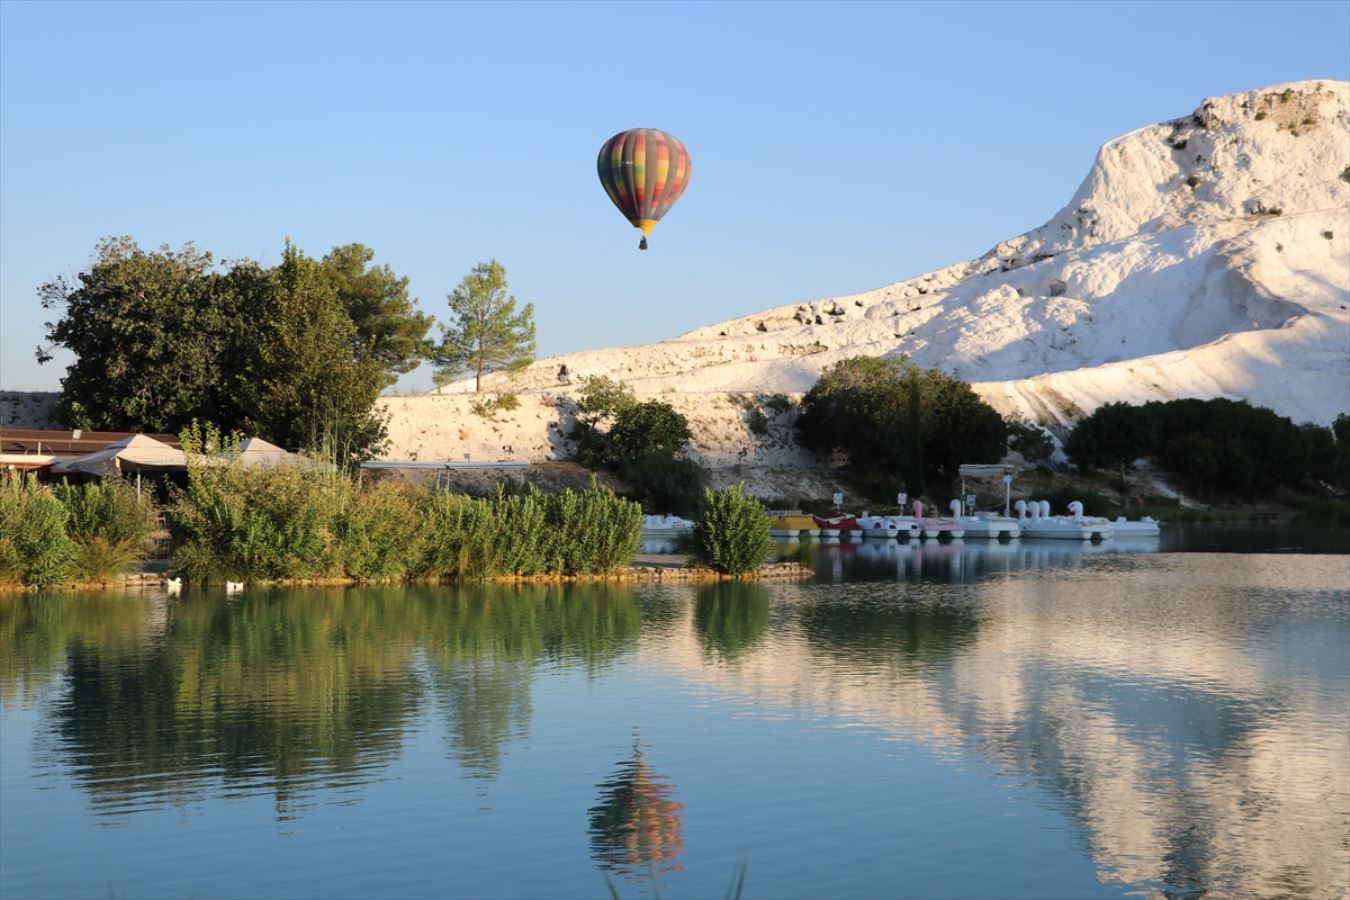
836	147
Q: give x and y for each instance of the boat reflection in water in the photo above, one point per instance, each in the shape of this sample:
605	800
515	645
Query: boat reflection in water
955	561
636	829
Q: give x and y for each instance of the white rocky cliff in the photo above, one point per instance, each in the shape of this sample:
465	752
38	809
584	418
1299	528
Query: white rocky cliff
1207	256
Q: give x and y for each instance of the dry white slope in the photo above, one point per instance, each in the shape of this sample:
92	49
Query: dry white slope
1207	256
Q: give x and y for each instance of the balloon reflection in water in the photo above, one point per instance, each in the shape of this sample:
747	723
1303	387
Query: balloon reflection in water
637	830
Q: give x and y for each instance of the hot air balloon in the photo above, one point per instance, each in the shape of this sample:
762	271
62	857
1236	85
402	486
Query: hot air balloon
644	171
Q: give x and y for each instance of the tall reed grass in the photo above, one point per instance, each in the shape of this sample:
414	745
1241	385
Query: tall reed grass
312	521
110	523
35	547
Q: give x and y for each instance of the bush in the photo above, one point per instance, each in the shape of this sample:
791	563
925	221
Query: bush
109	524
592	531
574	532
487	408
781	403
1260	116
731	533
600	402
665	483
1193	182
263	522
380	532
646	428
757	422
35	548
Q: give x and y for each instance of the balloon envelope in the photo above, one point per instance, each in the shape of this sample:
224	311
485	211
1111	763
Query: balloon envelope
644	171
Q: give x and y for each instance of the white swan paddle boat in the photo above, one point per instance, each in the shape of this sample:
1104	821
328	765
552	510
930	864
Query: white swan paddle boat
878	526
664	528
1036	521
990	526
1145	527
940	526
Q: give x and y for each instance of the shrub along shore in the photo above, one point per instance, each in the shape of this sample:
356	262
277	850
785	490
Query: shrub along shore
316	524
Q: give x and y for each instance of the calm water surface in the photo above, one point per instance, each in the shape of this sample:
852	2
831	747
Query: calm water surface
1017	720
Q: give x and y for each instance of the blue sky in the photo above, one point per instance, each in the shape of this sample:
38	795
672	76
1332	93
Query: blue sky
836	147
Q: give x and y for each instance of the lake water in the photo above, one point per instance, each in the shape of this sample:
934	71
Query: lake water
1017	720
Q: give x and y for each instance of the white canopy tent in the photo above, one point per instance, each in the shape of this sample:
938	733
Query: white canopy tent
257	452
996	470
137	453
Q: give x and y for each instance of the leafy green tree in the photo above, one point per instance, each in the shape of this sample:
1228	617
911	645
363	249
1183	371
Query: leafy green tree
389	327
1340	459
309	390
148	331
664	482
1114	436
1033	442
599	404
488	335
648	427
162	339
891	417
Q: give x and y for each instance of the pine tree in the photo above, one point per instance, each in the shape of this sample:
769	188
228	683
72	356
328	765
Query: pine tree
488	335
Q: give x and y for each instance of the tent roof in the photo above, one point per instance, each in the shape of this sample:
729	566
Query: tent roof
985	471
137	453
255	451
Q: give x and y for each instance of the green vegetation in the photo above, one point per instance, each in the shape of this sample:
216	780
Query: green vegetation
1034	443
35	547
893	419
359	662
488	407
732	617
644	443
731	533
487	334
89	532
1261	116
757	422
572	532
1217	445
315	522
1328	235
291	353
1193	182
1345	174
109	524
599	404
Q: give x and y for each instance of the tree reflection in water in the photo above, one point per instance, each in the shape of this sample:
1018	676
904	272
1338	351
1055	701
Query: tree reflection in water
637	830
731	617
291	691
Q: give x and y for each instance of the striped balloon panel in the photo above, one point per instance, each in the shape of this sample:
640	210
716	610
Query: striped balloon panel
644	171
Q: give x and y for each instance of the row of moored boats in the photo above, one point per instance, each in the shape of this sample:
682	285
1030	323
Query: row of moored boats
1034	520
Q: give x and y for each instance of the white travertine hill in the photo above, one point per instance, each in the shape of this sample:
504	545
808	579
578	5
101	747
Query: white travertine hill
1207	256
